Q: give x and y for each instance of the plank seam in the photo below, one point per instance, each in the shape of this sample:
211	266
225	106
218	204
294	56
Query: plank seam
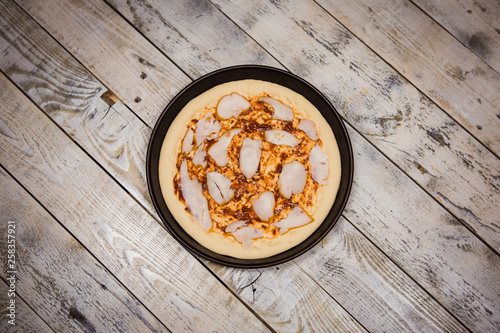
328	293
16	292
248	35
88	70
344	120
69	232
406	273
151	214
409	81
449	32
376	147
147	39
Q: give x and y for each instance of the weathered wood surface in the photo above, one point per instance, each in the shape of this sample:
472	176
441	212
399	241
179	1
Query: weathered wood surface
394	262
474	22
26	319
380	104
90	113
131	244
354	272
200	38
106	52
72	291
423	319
429	57
51	84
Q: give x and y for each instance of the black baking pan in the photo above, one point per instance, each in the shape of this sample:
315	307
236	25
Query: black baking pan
235	73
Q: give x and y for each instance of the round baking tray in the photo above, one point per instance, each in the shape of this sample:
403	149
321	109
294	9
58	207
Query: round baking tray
236	73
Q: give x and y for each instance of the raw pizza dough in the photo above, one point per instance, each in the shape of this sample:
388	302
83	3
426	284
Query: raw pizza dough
262	247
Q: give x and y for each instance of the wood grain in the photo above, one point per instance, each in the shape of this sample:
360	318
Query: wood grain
429	57
330	311
352	269
26	319
75	99
128	241
62	289
195	35
474	22
22	71
420	237
356	274
298	286
394	116
286	299
134	68
79	123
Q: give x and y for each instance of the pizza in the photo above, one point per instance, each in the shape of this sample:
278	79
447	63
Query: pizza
249	169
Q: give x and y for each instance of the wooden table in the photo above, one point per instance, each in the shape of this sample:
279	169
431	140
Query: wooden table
416	82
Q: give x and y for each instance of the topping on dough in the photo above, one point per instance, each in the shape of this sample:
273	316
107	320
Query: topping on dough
264	169
207	128
188	142
319	165
231	106
279	137
219	187
292	179
195	200
309	128
281	111
199	156
264	205
218	151
250	156
235	225
246	234
296	218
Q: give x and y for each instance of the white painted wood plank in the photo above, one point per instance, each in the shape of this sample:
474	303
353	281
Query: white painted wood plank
285	298
151	80
429	57
26	320
75	99
474	22
429	244
406	126
345	258
195	35
171	283
80	119
361	278
60	279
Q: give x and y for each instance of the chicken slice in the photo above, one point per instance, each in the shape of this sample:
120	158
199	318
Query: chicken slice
231	106
309	128
281	111
199	156
292	179
195	200
232	227
206	128
279	137
296	218
319	165
188	141
219	187
264	205
218	151
250	156
246	234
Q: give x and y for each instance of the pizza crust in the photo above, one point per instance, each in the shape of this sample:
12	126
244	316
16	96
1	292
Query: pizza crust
263	247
